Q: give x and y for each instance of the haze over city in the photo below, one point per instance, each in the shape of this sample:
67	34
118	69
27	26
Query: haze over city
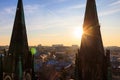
59	40
58	21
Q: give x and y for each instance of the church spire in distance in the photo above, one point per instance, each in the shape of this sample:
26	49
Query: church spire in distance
91	54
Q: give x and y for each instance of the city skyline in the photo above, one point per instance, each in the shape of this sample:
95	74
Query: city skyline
55	22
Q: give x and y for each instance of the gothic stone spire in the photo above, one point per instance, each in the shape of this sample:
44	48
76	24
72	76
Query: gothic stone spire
91	54
19	46
18	43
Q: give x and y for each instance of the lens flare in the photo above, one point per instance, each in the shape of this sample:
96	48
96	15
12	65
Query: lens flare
33	51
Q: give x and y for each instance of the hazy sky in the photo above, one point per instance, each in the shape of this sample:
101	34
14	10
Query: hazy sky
54	21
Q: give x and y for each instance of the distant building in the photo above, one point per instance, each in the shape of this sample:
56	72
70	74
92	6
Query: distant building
75	46
57	45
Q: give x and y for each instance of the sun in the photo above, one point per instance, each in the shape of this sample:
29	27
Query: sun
78	31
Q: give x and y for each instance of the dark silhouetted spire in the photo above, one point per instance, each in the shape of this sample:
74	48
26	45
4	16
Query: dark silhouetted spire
18	52
92	36
91	17
18	62
92	63
19	44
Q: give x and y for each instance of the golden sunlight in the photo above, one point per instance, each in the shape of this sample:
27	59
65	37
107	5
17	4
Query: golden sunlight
78	31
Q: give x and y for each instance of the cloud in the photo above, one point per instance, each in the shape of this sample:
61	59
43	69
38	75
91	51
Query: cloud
58	1
117	2
69	8
9	10
55	23
112	8
77	6
61	0
31	8
8	13
109	12
28	9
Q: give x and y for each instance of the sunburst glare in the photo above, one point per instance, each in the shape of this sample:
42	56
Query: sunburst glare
78	31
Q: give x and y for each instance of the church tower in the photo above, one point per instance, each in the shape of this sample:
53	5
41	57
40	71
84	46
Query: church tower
91	57
18	61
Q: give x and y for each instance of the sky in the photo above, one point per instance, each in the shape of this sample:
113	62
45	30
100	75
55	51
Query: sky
55	21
